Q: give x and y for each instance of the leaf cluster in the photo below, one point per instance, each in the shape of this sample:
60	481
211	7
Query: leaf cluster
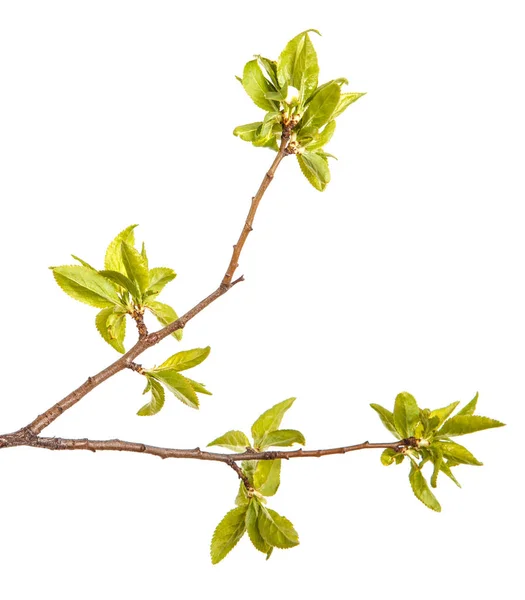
125	287
430	433
266	528
288	90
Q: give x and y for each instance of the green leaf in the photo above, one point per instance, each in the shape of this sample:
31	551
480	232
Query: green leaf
437	458
406	414
83	263
136	266
199	387
186	359
270	68
113	259
242	498
445	468
284	437
249	466
387	418
322	138
442	413
257	86
233	440
469	408
340	82
267	477
276	530
388	456
86	285
321	108
165	314
463	424
458	454
252	527
297	65
227	533
177	384
159	277
247	133
269	421
315	168
345	101
124	282
156	402
112	327
421	489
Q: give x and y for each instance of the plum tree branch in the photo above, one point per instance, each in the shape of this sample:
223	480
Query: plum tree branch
146	340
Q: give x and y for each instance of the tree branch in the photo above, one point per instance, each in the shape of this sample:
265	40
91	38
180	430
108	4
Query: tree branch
146	340
25	438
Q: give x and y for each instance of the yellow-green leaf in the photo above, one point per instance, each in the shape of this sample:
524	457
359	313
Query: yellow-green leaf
267	477
136	266
256	86
158	278
345	100
227	533
443	413
406	414
269	421
111	325
233	440
314	167
458	453
283	437
248	132
463	424
86	285
387	418
186	359
165	315
177	384
276	530
297	65
113	259
157	400
421	489
321	108
469	408
253	528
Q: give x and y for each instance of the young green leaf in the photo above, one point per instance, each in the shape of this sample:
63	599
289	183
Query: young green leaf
242	498
387	418
199	387
458	454
437	459
124	282
276	530
113	259
267	477
233	440
111	325
186	359
445	468
283	437
463	424
469	408
83	263
322	138
136	266
253	529
227	533
314	167
165	314
421	489
388	456
86	285
269	421
345	100
297	65
406	414
322	106
247	133
177	384
257	86
157	400
159	277
443	413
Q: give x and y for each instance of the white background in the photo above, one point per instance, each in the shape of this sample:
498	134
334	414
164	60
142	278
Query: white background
405	274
